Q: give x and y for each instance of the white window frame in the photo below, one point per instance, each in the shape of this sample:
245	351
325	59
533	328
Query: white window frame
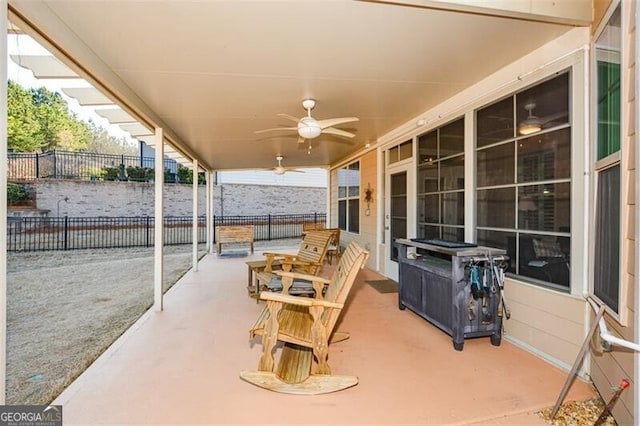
597	166
347	198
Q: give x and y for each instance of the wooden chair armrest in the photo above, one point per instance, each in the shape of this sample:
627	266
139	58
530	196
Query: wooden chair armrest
269	253
299	301
326	304
280	257
285	298
297	275
301	263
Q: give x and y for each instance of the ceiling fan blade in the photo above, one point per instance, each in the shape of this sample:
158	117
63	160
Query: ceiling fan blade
335	121
337	132
274	129
295	171
289	117
300	139
553	117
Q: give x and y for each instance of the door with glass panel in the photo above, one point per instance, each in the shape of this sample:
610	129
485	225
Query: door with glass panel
398	218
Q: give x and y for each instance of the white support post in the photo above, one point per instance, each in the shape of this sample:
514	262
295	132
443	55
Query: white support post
327	208
210	211
194	261
469	177
158	241
3	199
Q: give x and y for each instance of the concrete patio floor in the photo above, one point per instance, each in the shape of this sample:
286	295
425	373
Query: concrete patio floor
181	366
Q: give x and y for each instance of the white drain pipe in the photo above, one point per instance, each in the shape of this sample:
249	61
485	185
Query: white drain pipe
606	335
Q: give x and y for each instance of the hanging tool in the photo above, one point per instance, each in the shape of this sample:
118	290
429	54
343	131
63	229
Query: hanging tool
607	408
476	288
486	316
499	277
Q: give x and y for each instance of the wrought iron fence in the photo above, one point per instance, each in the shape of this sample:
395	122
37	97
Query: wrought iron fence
73	233
86	166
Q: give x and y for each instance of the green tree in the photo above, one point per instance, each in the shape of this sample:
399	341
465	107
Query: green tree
40	120
60	129
23	128
102	142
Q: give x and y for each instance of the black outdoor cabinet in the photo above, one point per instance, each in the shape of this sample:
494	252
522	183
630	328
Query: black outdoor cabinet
434	284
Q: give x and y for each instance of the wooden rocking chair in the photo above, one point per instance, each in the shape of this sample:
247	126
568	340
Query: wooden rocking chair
308	260
306	326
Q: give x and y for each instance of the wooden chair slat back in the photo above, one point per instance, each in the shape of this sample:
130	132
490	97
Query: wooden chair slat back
314	246
352	260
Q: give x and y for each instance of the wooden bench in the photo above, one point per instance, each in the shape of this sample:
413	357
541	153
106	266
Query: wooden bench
315	226
235	234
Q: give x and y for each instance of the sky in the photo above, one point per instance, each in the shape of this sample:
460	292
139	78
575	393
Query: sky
23	44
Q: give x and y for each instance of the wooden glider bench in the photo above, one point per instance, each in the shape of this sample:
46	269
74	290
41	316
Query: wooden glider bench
235	234
306	327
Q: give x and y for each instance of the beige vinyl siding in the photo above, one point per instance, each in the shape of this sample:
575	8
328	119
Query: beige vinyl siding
367	235
548	322
608	369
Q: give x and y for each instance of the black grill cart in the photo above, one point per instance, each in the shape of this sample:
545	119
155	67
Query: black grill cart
456	286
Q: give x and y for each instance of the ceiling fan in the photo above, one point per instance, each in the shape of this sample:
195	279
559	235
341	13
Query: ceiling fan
532	124
280	169
310	128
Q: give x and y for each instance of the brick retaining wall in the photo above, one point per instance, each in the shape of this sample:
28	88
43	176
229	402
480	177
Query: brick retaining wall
105	198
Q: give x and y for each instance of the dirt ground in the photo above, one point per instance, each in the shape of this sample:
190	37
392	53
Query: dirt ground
65	308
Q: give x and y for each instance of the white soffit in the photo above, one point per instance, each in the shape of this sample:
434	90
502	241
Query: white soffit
87	96
136	129
44	66
115	115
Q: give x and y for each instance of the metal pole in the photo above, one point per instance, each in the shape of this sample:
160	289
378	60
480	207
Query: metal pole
578	362
66	233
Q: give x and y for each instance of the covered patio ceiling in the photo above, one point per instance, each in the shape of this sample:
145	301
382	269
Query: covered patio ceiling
212	73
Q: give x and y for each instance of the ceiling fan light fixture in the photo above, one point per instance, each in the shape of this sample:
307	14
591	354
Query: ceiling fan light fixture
309	128
528	128
532	123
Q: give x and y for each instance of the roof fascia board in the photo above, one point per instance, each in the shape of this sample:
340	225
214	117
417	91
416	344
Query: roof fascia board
35	18
567	12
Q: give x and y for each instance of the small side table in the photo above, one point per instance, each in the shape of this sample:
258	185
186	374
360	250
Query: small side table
254	267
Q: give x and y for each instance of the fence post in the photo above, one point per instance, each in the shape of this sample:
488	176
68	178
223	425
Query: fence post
269	229
37	166
315	217
214	229
66	232
148	223
55	164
